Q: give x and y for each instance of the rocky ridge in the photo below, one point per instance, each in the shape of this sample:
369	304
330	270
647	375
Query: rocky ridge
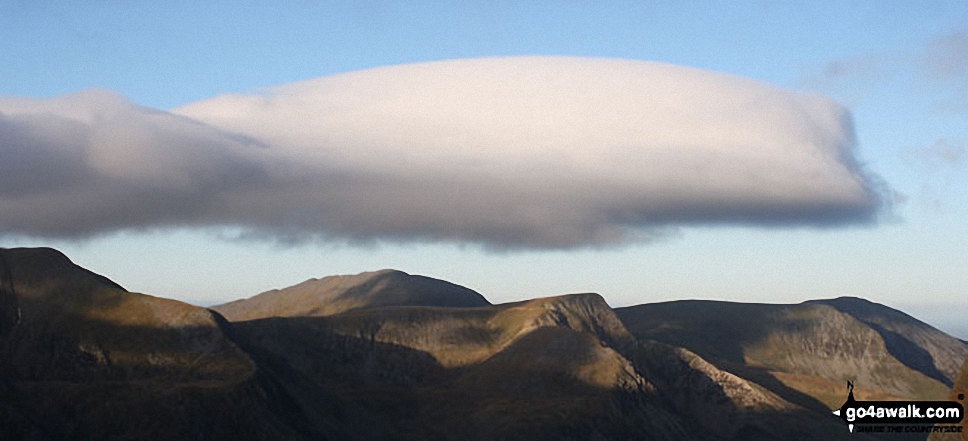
387	355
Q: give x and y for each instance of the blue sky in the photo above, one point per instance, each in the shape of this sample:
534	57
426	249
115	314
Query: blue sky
901	68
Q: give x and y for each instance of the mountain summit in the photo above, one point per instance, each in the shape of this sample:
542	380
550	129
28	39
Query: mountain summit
336	294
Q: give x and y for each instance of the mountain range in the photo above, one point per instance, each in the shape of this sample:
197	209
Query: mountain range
388	355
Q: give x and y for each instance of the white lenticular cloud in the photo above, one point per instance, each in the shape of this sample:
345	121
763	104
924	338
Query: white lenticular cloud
524	152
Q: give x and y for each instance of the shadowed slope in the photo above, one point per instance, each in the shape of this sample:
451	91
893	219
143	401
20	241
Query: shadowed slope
82	358
335	294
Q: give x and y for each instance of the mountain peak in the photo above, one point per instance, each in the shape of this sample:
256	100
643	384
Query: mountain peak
335	294
585	312
37	252
46	264
37	260
59	321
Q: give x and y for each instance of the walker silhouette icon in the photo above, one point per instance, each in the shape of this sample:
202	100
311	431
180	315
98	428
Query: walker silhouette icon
842	412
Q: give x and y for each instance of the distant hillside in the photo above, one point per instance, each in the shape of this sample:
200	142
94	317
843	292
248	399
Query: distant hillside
805	352
335	294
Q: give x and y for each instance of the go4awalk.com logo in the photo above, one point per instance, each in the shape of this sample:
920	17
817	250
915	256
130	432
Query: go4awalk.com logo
900	416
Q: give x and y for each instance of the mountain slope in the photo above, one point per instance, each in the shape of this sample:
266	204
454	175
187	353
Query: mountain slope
532	370
726	404
81	358
552	368
335	294
918	345
802	352
71	324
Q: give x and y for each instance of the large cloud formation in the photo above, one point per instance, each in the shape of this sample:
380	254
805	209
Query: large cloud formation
547	152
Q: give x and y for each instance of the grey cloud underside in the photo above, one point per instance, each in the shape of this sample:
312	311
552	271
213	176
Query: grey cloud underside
420	153
947	56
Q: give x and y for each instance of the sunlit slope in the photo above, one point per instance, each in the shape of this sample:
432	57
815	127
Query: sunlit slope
335	294
810	348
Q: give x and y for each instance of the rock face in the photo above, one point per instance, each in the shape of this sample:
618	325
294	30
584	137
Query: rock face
335	294
805	352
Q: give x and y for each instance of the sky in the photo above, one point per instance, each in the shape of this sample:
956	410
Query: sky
648	151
